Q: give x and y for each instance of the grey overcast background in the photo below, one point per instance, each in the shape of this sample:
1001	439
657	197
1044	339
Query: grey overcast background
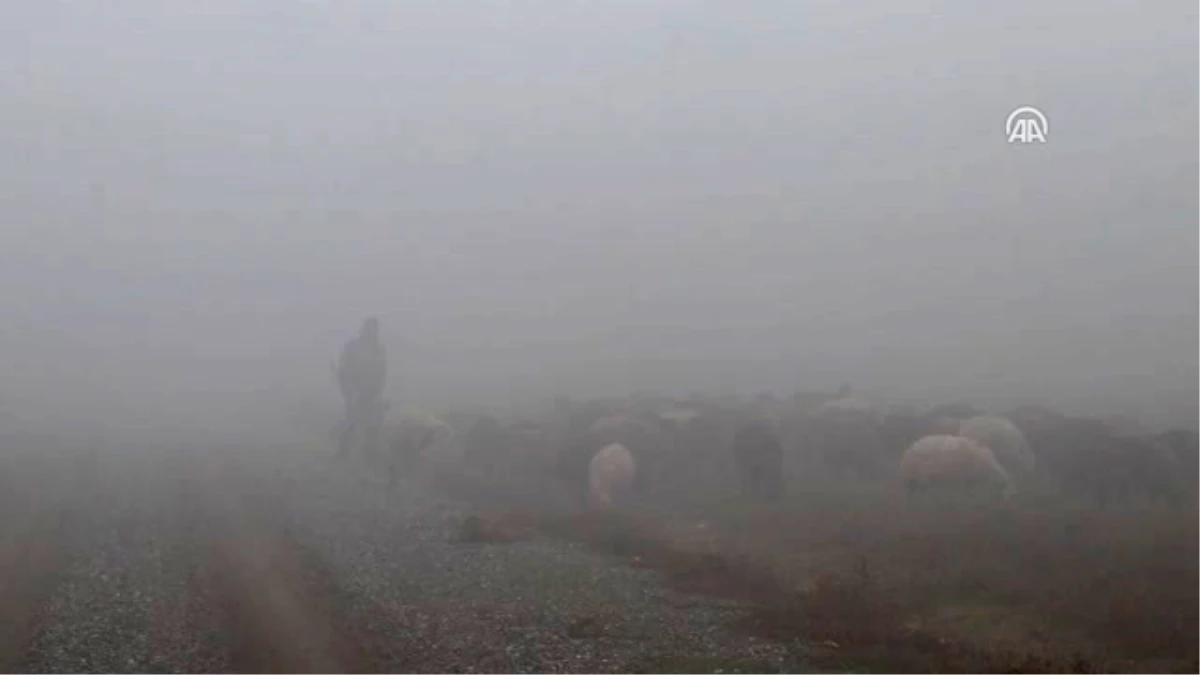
202	200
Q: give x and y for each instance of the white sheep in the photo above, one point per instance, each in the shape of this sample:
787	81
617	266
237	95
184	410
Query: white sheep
1003	438
947	461
610	475
421	440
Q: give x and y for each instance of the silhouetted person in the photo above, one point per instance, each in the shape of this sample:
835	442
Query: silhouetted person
362	375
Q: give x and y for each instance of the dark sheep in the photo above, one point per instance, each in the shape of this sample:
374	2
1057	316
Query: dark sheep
1124	467
758	456
958	410
487	443
900	428
848	438
1185	443
1090	458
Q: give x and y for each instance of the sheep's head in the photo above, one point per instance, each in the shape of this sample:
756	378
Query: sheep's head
1003	483
601	500
1008	491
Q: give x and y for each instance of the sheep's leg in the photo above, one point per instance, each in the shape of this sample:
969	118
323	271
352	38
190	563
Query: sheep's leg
776	486
764	482
747	479
913	487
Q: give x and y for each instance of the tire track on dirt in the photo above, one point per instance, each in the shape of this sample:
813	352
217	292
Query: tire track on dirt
123	603
36	518
278	601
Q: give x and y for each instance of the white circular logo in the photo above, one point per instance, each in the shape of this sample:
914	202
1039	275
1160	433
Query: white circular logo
1026	124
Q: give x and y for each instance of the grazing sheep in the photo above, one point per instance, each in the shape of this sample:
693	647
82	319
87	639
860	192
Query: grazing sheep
1094	459
571	464
903	425
531	448
617	426
678	427
1030	414
1185	444
487	444
580	429
679	417
1126	426
958	410
647	441
610	476
758	455
848	437
943	425
701	454
945	419
946	461
1118	468
493	446
1004	439
577	418
420	440
846	406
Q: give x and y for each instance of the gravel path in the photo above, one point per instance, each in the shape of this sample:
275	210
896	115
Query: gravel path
127	601
36	519
213	560
541	606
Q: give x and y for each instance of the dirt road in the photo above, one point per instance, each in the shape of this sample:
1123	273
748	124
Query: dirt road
252	557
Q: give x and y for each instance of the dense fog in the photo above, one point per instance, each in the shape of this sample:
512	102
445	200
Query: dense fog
202	201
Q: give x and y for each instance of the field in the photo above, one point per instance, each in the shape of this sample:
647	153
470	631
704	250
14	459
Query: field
232	556
242	555
864	578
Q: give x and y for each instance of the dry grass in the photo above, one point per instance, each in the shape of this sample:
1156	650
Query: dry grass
1026	584
1034	587
868	579
496	527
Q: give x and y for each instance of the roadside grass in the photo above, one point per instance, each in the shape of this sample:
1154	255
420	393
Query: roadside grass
868	579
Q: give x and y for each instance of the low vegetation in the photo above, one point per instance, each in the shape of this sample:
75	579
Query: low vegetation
871	580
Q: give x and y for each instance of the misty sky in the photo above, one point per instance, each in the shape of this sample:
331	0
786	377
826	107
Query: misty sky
201	200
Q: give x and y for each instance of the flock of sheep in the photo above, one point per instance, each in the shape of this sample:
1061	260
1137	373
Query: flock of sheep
600	452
